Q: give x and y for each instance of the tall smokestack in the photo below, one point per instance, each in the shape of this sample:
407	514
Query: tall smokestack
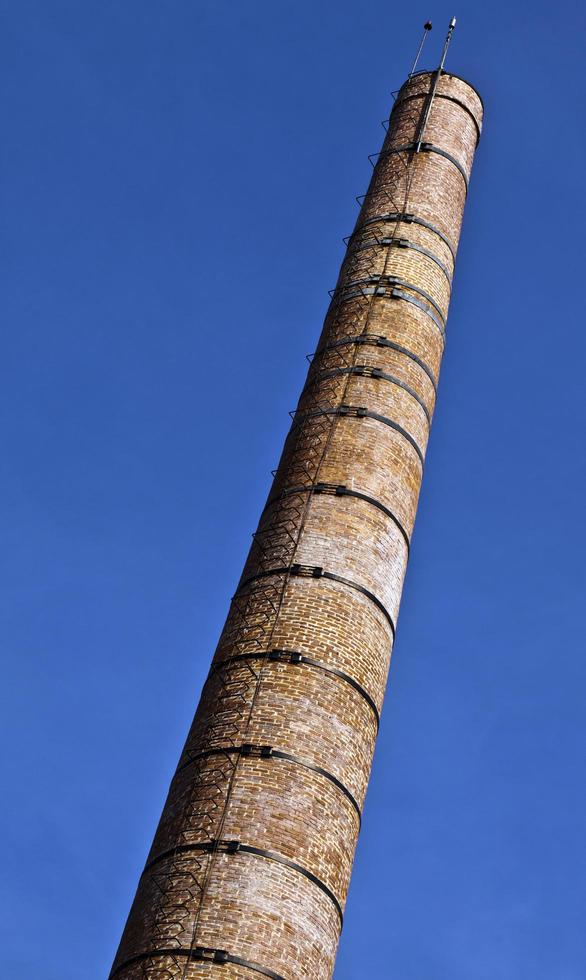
248	873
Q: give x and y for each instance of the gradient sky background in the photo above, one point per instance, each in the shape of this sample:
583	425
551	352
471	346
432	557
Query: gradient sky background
176	180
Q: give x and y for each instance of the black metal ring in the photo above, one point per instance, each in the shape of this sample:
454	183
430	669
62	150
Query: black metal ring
394	294
374	340
355	412
408	219
315	571
428	148
388	280
339	490
440	95
365	371
287	757
294	657
199	953
236	847
451	74
269	751
405	243
399	294
432	148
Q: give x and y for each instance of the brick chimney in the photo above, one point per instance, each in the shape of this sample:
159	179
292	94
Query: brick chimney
248	873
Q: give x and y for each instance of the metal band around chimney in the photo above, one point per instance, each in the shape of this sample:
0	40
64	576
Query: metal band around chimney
394	293
444	73
390	280
372	287
407	218
237	847
374	340
248	750
403	243
359	412
294	657
316	571
366	371
440	95
199	954
408	298
340	490
427	148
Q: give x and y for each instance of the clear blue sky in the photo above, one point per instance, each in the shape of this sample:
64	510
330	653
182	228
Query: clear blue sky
176	181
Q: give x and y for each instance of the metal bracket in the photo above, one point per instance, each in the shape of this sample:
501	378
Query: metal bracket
256	751
211	955
306	571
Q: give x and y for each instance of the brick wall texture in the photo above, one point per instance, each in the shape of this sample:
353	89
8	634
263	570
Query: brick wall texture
249	869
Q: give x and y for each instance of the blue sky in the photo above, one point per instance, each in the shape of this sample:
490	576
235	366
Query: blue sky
176	181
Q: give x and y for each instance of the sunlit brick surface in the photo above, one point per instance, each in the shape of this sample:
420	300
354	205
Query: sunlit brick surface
250	866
